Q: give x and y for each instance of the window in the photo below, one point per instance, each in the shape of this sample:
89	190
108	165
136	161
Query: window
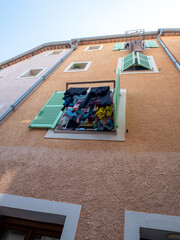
56	52
32	73
19	228
140	63
92	48
37	219
142	226
78	66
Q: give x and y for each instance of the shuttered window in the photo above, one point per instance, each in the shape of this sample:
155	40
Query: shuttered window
143	61
151	44
116	100
118	46
50	113
128	61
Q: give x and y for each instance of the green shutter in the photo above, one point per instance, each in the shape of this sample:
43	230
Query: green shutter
151	44
116	100
128	61
118	46
50	113
143	60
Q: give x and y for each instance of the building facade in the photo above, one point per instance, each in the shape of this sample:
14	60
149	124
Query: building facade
112	182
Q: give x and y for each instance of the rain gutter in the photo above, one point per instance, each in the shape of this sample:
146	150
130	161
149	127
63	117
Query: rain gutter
167	50
36	84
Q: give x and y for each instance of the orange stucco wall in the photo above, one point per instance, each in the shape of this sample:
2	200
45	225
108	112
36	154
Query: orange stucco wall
106	178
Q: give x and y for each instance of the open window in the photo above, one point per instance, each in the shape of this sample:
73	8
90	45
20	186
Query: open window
95	112
138	63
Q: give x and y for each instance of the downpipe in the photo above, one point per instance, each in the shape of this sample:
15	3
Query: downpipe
168	52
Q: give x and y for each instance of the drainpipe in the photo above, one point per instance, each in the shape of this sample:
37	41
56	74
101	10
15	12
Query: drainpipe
36	84
168	52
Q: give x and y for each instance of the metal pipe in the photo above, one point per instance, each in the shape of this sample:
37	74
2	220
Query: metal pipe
36	84
168	52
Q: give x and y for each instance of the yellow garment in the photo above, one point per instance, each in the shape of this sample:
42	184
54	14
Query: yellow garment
103	112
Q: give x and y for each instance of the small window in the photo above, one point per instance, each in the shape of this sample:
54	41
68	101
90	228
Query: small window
32	73
78	66
93	48
56	52
132	64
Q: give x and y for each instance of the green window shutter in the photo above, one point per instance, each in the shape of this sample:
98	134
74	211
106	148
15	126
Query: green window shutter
151	44
116	100
143	60
118	46
50	113
128	61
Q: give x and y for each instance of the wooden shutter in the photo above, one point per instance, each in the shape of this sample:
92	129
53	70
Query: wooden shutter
144	61
118	46
151	44
50	113
128	61
116	100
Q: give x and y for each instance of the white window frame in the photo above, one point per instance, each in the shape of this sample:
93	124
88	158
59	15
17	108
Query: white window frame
78	70
42	70
43	211
136	220
87	48
152	61
50	53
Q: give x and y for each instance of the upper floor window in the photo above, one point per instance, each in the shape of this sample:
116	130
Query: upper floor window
32	73
93	48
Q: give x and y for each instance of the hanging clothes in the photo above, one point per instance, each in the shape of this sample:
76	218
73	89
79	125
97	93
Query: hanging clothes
102	92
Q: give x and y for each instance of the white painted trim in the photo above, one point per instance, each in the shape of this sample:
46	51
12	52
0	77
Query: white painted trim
78	70
1	106
62	52
136	220
44	211
87	48
153	64
102	136
21	76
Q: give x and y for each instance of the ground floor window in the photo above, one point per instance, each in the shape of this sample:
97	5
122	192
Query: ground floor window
18	228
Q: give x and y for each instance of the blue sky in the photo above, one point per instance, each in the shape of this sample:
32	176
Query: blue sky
26	24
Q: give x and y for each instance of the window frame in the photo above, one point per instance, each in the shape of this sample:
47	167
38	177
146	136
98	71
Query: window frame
136	220
68	68
43	211
23	77
50	53
100	48
152	61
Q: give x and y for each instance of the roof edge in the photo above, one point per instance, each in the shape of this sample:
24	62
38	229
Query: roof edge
66	44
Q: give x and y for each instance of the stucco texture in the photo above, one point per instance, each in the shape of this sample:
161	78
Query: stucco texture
106	178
